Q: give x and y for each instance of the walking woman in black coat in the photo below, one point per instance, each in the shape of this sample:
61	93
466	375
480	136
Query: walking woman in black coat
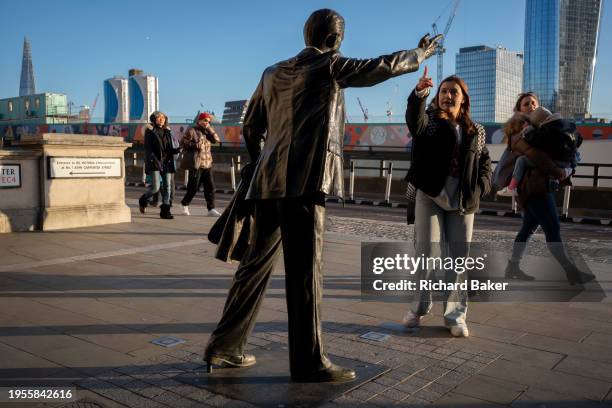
159	162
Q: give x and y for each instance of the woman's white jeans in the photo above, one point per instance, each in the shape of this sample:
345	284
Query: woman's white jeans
439	232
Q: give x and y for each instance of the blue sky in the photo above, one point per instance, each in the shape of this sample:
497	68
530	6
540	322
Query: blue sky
208	52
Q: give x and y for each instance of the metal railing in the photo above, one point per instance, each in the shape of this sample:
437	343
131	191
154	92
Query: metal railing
385	170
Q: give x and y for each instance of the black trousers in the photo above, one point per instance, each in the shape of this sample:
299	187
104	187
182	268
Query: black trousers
197	178
541	210
297	224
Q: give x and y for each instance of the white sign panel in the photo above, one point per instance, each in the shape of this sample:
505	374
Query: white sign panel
10	176
84	167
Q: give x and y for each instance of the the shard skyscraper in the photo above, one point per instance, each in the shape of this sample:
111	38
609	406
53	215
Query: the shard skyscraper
27	86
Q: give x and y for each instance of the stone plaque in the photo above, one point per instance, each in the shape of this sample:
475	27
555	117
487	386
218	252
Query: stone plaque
84	167
10	175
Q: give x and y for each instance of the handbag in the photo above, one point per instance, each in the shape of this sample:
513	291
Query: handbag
503	172
189	160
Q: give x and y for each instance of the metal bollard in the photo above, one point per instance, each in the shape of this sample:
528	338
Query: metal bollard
514	203
135	156
238	166
388	187
383	170
233	175
352	181
186	178
566	200
144	175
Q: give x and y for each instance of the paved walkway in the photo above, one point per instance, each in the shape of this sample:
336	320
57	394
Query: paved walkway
82	307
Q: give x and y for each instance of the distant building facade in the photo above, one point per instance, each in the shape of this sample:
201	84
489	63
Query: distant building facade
144	95
38	109
234	112
116	100
561	38
494	78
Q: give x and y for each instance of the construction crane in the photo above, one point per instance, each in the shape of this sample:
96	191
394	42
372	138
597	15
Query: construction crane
363	110
440	50
389	104
92	109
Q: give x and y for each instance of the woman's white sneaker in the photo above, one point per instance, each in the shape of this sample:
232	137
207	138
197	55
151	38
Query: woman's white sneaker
186	210
214	213
459	331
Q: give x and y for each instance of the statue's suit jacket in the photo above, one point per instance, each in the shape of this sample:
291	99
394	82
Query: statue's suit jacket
298	109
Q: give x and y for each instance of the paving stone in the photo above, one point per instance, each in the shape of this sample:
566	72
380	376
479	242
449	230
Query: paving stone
126	397
452	378
586	368
440	387
427	395
373	388
470	367
381	401
464	355
598	339
218	401
115	378
411	385
414	402
456	399
150	391
239	404
185	403
359	395
346	401
386	380
582	350
398	375
556	381
447	365
168	398
394	394
537	398
94	384
491	389
432	373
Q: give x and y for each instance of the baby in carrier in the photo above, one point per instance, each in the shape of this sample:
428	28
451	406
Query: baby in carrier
554	136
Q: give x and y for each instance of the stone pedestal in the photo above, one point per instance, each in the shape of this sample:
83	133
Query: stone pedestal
73	189
20	206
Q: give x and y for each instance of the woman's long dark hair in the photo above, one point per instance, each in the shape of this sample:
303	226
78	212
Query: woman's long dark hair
465	118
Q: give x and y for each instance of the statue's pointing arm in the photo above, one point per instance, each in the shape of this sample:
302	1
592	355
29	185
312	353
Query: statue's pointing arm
351	72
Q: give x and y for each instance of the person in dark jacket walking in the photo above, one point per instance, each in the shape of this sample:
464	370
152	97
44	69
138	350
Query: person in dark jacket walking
196	145
451	171
298	109
536	197
159	162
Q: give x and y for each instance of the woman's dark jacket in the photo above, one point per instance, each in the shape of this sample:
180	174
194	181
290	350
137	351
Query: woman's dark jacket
433	142
159	153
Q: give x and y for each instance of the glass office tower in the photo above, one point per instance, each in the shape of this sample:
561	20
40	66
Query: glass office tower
560	49
494	77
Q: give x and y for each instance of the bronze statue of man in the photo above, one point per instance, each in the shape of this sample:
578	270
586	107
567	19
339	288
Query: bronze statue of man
298	111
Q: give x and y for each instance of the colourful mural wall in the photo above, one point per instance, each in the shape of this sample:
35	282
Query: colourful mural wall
388	135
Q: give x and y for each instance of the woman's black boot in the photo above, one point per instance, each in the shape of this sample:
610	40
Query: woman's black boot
142	203
575	275
513	271
165	212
